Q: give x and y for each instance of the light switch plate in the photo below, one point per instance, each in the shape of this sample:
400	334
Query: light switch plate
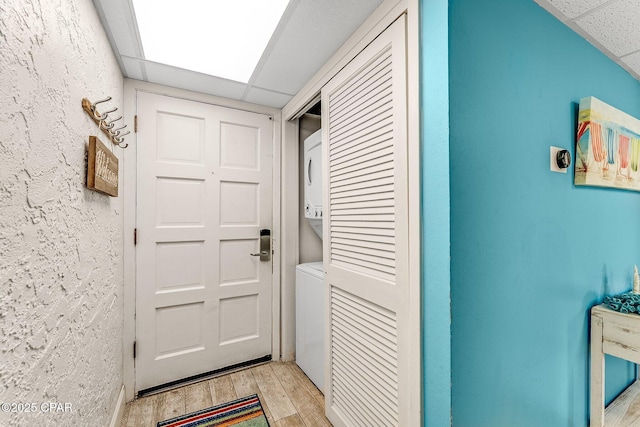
553	164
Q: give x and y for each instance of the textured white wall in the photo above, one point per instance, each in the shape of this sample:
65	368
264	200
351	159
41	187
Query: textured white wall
61	280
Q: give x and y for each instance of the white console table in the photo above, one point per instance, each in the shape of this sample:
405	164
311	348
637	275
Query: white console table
617	334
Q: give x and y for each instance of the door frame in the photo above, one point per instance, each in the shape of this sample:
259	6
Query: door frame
131	89
381	18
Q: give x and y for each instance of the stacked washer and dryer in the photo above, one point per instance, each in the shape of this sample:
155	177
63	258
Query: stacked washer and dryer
310	276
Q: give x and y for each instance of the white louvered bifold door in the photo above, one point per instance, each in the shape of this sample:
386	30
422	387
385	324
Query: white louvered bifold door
366	237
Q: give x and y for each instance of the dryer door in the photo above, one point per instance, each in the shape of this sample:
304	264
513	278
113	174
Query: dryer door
313	175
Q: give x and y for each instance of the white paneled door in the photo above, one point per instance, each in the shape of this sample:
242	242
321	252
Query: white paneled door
366	240
204	177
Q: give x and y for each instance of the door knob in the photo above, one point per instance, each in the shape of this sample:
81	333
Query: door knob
265	245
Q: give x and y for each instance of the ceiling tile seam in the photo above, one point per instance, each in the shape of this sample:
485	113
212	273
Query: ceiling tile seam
143	70
145	61
595	9
272	91
132	23
109	34
134	34
268	50
141	64
629	54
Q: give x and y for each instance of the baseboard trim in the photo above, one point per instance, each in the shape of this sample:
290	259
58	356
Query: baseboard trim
116	418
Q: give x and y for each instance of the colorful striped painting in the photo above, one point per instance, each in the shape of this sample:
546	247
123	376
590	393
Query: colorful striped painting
607	147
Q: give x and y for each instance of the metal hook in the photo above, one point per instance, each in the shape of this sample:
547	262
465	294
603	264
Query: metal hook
118	129
97	115
93	106
121	146
119	141
111	124
106	113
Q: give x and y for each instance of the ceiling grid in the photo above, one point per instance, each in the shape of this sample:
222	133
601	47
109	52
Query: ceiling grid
309	33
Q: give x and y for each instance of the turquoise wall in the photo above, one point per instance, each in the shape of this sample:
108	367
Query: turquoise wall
530	252
434	106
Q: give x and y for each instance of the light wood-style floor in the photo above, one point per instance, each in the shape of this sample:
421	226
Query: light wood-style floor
288	397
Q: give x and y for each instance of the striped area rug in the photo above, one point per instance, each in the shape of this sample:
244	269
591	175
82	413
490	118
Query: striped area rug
244	412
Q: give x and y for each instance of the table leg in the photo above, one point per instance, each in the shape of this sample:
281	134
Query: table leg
597	374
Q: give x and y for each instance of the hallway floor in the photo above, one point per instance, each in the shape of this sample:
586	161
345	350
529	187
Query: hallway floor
288	397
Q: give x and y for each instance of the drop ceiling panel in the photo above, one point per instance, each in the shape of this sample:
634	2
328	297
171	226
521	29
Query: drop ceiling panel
615	26
313	33
267	97
133	68
575	8
190	80
117	19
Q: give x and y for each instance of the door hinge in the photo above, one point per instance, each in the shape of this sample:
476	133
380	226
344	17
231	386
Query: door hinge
134	349
135	124
135	236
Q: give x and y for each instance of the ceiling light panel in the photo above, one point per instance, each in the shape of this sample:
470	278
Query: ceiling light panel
223	38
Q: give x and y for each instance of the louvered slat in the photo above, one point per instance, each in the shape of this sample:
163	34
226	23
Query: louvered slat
362	394
361	84
368	201
377	100
375	162
364	361
373	176
374	377
356	225
383	378
364	201
357	233
364	79
380	253
385	324
370	382
354	237
375	135
364	267
362	127
379	150
359	186
337	196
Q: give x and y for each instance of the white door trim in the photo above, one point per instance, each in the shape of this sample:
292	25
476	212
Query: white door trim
131	88
384	16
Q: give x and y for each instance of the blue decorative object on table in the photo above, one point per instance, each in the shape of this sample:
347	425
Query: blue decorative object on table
624	303
628	302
